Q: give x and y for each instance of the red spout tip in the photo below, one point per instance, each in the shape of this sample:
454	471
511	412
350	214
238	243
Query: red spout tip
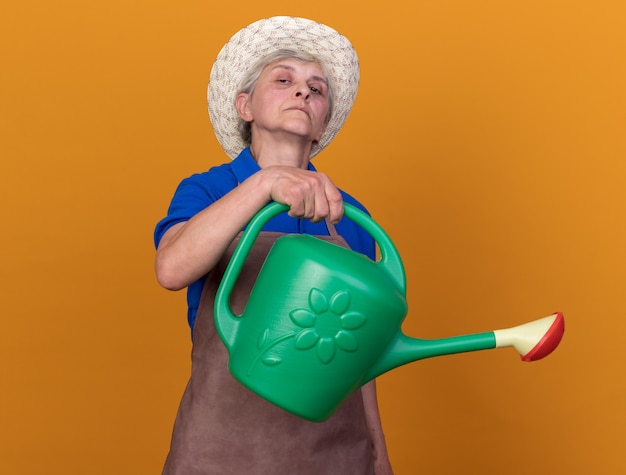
549	341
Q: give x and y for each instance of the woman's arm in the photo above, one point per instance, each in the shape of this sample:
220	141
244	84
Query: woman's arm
190	249
382	464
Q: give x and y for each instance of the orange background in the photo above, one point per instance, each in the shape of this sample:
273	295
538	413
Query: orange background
495	128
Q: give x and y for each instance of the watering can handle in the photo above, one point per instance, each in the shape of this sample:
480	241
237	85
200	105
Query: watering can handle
227	322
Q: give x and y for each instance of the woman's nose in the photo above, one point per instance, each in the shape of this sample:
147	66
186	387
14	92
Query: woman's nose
303	91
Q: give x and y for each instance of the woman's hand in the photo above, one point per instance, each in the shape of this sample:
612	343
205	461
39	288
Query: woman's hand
310	195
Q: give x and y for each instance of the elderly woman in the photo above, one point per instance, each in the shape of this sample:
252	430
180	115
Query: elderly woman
279	91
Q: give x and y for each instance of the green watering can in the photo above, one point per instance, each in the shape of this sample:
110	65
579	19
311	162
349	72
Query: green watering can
323	320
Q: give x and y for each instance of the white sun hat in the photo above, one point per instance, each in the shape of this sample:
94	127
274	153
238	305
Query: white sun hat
263	37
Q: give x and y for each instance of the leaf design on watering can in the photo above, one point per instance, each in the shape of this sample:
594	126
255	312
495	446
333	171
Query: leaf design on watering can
271	360
263	338
327	324
266	345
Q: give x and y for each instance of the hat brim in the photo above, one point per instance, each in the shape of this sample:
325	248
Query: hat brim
262	38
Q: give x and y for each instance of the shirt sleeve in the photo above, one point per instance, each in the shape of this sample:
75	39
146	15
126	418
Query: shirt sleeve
193	195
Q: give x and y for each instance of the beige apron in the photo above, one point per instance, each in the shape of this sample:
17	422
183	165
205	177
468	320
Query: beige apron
222	428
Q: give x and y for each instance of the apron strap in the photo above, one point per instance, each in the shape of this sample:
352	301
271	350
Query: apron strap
331	228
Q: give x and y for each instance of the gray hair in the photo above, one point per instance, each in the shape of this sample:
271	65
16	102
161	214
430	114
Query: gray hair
249	81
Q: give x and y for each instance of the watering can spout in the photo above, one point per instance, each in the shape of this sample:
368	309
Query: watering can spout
533	340
405	349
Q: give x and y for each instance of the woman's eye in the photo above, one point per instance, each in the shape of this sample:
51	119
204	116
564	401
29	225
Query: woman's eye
315	90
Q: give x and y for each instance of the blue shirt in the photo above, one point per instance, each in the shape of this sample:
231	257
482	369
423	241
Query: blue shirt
200	190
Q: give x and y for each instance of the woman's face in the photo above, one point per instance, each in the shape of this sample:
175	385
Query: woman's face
290	97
